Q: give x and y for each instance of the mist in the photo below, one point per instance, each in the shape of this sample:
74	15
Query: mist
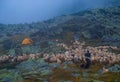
27	11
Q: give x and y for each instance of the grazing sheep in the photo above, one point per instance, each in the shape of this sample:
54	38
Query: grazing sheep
74	53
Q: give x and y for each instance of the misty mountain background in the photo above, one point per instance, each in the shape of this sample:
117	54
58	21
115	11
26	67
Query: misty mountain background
27	11
97	22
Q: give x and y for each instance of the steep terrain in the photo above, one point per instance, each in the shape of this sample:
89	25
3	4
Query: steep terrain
97	25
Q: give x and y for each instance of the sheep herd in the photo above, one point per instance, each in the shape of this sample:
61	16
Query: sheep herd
74	53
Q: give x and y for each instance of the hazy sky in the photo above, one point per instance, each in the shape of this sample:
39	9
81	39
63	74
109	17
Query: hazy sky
21	11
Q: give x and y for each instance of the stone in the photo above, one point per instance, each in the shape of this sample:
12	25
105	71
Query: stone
115	68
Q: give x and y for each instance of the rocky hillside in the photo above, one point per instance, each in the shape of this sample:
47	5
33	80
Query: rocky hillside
98	24
101	25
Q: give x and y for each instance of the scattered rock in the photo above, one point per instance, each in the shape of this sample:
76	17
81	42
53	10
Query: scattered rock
115	68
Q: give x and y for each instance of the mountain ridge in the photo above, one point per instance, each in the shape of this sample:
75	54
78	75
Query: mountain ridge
102	25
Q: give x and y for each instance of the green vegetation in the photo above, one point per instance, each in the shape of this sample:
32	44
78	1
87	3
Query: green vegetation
90	25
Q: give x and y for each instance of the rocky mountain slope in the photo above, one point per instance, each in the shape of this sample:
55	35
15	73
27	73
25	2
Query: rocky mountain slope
97	25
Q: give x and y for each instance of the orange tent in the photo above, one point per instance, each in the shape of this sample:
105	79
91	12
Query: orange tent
27	41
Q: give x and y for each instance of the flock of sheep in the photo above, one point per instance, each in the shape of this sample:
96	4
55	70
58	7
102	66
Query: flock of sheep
75	53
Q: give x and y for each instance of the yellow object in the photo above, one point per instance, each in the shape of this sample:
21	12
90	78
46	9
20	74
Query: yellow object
27	41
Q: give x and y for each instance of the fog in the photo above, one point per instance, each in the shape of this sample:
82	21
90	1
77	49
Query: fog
27	11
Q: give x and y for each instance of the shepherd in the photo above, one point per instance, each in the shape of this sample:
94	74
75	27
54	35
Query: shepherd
87	59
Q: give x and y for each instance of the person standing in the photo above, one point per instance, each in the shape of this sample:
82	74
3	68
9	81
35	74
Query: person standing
87	59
